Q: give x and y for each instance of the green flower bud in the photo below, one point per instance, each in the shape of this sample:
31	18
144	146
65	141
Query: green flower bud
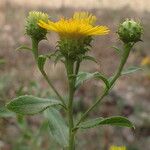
130	31
32	28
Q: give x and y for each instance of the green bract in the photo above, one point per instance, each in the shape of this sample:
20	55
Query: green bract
74	48
130	31
32	28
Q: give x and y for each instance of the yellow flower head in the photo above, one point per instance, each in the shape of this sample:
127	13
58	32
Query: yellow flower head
117	147
80	25
146	61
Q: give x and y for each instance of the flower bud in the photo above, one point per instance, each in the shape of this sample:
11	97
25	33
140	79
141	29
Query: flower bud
32	28
130	31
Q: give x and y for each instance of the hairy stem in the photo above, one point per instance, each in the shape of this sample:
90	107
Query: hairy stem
35	44
53	88
71	80
127	49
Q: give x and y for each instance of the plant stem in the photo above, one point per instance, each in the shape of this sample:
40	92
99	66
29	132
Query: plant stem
35	44
77	67
35	53
53	88
71	80
126	51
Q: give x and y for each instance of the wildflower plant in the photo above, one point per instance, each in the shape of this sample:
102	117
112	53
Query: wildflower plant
75	37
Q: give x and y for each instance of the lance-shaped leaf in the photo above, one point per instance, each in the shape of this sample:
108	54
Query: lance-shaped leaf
114	121
87	57
23	47
90	123
127	71
118	50
29	105
83	76
58	128
130	70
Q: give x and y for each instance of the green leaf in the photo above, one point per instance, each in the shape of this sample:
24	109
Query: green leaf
58	128
130	70
90	123
102	77
83	76
4	113
114	121
41	61
127	71
29	105
118	50
87	57
24	47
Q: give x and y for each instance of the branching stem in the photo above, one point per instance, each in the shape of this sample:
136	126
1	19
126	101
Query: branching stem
126	51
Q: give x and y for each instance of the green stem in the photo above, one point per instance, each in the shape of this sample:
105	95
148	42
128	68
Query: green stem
35	53
127	48
71	80
53	88
126	52
35	44
77	67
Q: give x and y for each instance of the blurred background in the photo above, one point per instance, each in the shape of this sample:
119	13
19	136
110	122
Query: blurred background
18	75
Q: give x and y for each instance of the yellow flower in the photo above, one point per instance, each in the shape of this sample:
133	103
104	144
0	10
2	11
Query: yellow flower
117	147
80	25
146	61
